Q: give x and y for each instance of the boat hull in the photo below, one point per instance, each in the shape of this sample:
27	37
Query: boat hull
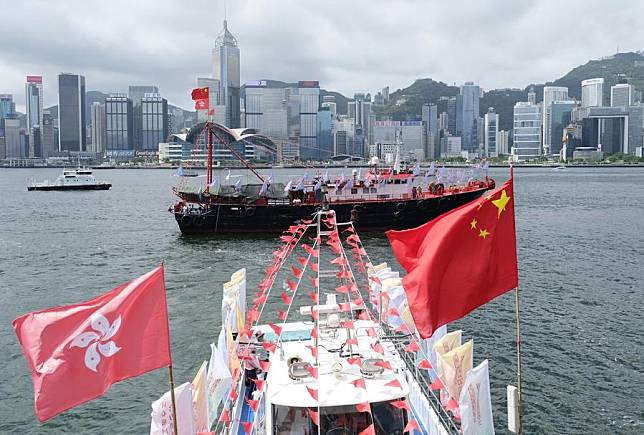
272	219
102	186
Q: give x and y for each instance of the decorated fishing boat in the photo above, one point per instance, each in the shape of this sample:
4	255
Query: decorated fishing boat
342	355
377	198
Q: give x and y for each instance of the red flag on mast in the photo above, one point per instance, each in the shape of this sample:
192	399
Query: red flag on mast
76	352
460	260
200	94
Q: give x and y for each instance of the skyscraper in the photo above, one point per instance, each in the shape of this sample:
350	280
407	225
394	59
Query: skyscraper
71	112
154	111
621	95
469	113
98	127
47	134
559	118
592	92
118	125
430	120
7	105
136	93
527	131
34	108
226	65
266	110
491	134
550	95
309	92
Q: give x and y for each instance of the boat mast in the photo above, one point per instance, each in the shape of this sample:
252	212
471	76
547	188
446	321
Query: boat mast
209	165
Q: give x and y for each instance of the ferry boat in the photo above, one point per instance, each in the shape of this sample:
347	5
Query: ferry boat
71	179
348	365
380	199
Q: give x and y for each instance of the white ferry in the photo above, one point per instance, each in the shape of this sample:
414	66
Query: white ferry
71	179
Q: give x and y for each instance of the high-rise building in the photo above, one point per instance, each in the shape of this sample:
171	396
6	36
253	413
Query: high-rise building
453	105
344	132
119	119
154	114
34	109
606	129
430	120
71	112
48	135
527	131
266	110
469	113
550	95
592	92
325	134
7	105
14	148
621	95
360	110
329	101
491	122
532	96
309	92
226	66
135	93
559	117
503	143
410	134
97	115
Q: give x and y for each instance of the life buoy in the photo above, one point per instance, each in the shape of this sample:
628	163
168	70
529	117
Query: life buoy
400	206
421	204
398	215
187	220
357	207
250	211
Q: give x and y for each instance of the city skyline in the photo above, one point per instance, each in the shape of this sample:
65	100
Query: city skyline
327	44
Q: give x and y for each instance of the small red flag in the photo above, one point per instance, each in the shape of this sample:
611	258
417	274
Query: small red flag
364	407
460	260
276	329
412	347
424	364
296	272
359	383
200	93
394	383
314	416
76	352
313	392
411	426
202	104
370	430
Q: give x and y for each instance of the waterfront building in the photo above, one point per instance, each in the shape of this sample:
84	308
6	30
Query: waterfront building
605	129
48	135
491	134
635	127
443	121
154	116
621	95
592	92
360	110
430	120
309	93
226	69
13	146
410	134
469	114
119	117
560	116
135	93
97	116
7	106
329	102
325	134
72	134
34	109
550	95
503	140
451	147
453	118
344	133
527	131
266	110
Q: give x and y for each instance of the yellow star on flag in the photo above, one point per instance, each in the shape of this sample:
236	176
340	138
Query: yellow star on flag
483	233
473	224
501	202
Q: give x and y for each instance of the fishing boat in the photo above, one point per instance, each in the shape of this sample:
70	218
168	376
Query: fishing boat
379	198
349	364
71	179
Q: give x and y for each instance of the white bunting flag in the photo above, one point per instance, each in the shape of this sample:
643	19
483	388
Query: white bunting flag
475	403
218	380
162	419
200	400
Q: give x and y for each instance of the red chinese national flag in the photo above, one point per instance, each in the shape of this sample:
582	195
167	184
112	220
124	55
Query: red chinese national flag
76	352
460	260
200	93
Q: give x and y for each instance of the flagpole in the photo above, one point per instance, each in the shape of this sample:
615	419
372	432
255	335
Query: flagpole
174	406
518	321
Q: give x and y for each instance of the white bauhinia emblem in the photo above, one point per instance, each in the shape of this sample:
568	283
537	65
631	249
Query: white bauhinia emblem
98	342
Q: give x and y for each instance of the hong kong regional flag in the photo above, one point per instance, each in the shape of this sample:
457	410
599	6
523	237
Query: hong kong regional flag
460	260
76	352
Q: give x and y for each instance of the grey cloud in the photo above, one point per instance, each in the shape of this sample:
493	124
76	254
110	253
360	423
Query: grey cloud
350	46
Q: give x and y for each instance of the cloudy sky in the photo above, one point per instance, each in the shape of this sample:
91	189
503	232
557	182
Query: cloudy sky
348	45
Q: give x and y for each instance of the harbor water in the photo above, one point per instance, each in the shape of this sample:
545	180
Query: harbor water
580	235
